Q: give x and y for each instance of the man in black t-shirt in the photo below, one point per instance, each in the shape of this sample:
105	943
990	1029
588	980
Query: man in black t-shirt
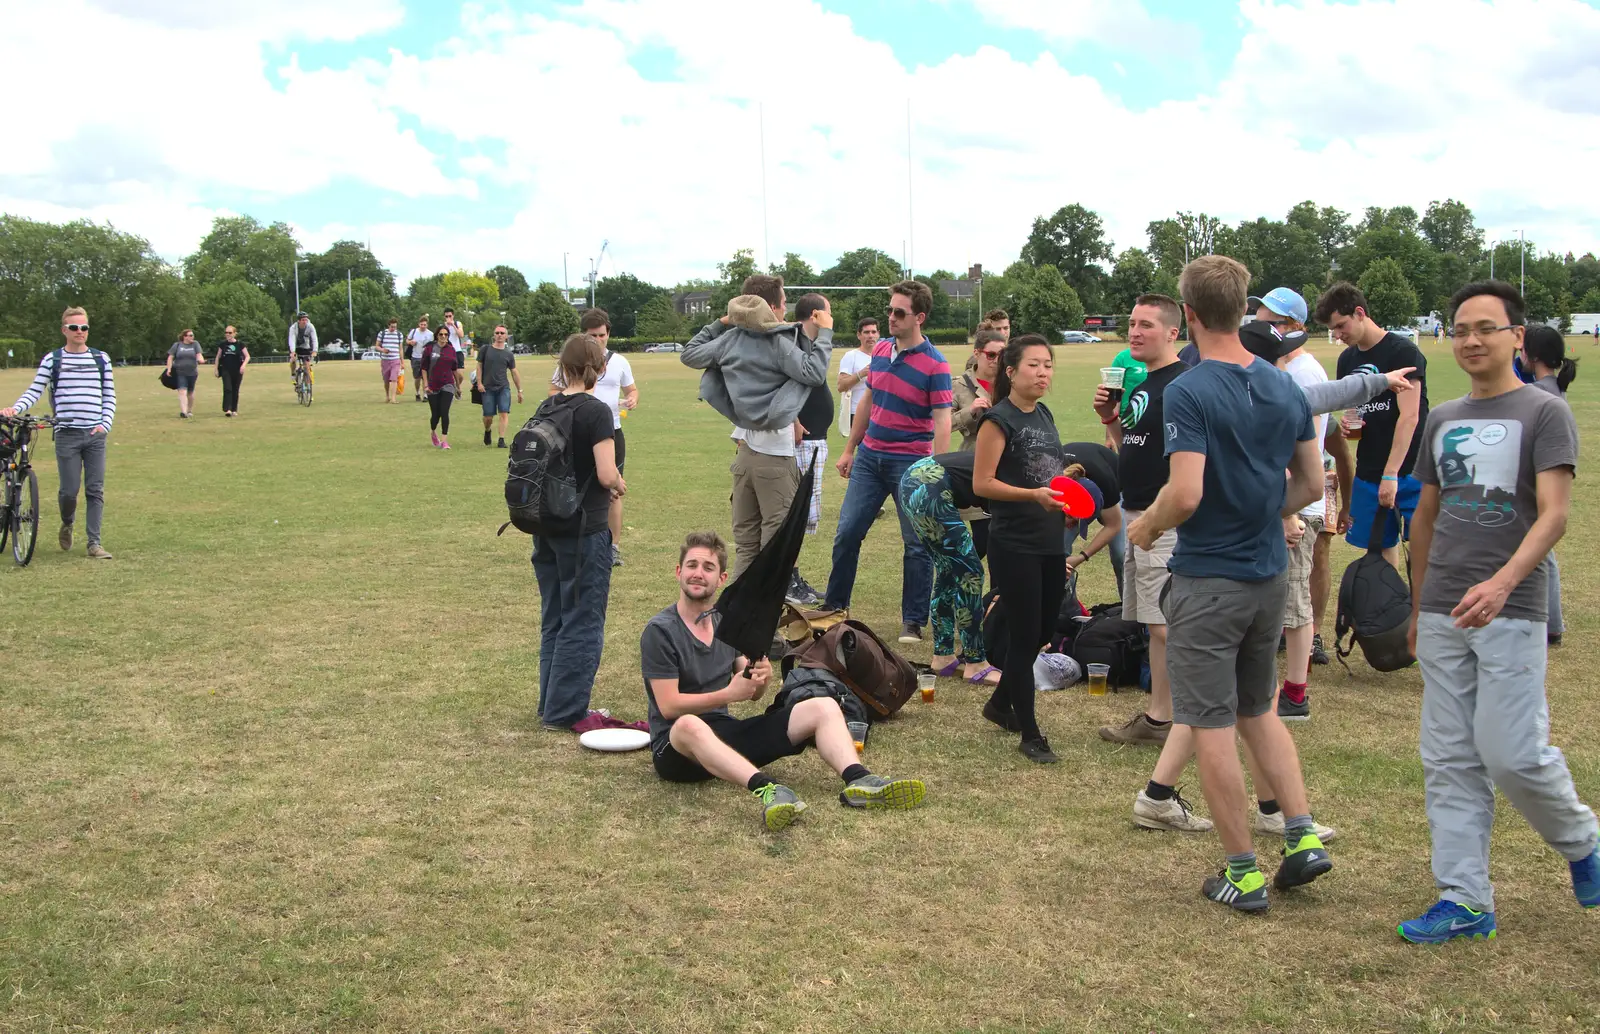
816	417
1385	428
690	678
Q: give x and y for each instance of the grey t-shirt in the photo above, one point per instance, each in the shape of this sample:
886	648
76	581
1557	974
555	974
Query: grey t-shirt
1549	384
496	361
1484	454
185	359
668	650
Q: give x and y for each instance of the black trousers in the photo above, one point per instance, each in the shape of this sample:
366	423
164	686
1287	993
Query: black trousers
439	410
1031	587
230	389
980	537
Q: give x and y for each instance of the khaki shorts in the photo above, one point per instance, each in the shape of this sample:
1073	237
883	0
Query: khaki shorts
1297	611
1144	575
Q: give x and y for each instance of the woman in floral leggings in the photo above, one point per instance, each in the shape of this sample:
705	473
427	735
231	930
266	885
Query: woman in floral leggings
933	493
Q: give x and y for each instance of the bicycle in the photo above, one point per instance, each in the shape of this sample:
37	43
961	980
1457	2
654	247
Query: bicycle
19	494
305	380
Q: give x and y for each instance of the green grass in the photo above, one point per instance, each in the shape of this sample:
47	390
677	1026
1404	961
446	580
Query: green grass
276	768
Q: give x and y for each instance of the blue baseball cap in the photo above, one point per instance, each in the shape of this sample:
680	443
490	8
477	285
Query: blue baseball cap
1284	302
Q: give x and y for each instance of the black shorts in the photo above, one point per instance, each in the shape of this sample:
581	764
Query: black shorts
760	740
621	445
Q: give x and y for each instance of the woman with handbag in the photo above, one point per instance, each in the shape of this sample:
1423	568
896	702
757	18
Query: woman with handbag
184	359
441	365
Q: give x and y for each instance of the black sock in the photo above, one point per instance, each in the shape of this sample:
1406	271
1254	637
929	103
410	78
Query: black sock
1268	807
854	772
1158	791
1155	723
759	780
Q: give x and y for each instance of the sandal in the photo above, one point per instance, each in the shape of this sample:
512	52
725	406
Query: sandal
982	677
949	670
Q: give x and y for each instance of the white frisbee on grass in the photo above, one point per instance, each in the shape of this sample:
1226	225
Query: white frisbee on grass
614	741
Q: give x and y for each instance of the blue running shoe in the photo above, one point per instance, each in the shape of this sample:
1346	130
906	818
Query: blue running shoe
1586	880
1446	921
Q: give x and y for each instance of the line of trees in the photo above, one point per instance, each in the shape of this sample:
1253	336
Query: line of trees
243	273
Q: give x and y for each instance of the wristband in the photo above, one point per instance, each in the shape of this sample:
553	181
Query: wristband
1113	420
1389	477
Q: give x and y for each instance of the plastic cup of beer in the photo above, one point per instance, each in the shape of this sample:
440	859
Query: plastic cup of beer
1098	673
1351	423
858	734
1111	379
925	686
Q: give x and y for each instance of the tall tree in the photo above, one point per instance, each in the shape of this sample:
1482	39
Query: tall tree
239	247
1391	300
543	317
251	311
623	297
512	283
733	274
1072	240
1450	229
660	321
466	291
794	270
328	309
324	270
1330	226
1131	277
853	265
1045	303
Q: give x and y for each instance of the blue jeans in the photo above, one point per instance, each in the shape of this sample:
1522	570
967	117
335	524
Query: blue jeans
874	477
574	585
497	401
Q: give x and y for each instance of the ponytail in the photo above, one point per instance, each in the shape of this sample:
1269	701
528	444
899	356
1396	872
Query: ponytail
1546	347
1011	358
1567	374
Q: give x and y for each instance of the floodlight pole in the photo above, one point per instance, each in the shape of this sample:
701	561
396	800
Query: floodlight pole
297	285
1522	244
1492	246
350	311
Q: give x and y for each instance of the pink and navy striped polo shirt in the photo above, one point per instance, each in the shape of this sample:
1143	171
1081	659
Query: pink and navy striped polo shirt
906	389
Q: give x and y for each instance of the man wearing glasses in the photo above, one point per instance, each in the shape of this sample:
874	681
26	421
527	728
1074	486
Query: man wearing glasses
1496	470
1385	428
84	398
909	418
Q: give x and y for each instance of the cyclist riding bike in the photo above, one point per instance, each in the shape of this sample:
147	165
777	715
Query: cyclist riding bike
302	343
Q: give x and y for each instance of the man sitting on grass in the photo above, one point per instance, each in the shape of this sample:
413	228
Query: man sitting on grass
690	678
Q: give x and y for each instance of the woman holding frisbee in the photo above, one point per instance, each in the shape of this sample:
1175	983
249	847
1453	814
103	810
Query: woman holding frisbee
933	493
441	365
1018	454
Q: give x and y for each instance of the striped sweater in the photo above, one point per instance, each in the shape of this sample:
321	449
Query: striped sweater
79	400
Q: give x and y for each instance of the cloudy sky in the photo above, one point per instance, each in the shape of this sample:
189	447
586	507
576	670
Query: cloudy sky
461	136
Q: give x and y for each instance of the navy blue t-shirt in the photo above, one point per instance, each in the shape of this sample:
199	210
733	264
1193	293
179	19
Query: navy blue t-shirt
1246	421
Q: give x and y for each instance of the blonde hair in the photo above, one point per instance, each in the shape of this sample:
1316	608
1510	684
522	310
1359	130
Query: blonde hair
72	310
1217	289
1074	471
582	359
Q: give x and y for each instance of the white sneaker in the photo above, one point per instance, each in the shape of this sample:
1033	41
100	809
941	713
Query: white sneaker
1273	825
1170	814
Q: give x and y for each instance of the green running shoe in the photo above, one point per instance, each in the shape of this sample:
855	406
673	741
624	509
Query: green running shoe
1306	862
782	804
874	791
1246	895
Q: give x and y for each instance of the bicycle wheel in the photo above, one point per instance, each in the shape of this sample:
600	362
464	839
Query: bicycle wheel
5	509
25	521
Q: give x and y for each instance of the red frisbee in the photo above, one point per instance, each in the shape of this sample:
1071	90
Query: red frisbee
1078	502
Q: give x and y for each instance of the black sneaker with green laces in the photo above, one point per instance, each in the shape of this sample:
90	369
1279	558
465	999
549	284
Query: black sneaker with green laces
782	805
1246	894
1308	860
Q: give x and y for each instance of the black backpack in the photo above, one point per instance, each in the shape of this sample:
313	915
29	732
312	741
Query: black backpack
542	492
1106	638
1374	607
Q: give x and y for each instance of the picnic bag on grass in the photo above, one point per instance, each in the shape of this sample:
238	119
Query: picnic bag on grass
798	627
1374	607
883	679
542	492
1106	638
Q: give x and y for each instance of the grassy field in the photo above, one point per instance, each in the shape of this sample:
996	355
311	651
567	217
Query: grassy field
276	768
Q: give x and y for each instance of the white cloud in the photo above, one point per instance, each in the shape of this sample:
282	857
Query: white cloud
282	19
1349	105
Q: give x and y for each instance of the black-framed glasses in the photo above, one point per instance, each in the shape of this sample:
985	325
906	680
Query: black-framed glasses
77	326
1479	330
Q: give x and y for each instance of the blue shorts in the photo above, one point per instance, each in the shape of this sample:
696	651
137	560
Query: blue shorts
184	381
497	401
1364	507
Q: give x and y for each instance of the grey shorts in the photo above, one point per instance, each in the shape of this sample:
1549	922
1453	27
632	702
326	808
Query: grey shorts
1222	647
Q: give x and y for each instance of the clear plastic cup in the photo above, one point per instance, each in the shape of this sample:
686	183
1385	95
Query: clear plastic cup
925	685
1351	423
1098	673
858	734
1111	380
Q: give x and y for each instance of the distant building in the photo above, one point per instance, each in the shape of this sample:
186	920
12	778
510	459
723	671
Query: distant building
965	289
692	303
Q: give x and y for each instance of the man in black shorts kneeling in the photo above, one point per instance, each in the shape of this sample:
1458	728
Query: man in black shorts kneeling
690	678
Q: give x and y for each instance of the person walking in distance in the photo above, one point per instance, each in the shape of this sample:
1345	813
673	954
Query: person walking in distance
908	419
1544	352
1385	428
83	394
390	342
853	368
1017	455
1479	618
1234	424
184	360
497	371
572	562
419	338
232	357
618	391
441	365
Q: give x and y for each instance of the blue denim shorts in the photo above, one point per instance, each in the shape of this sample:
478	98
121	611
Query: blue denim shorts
497	401
184	382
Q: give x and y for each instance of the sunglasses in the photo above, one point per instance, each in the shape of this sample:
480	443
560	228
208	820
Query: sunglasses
896	313
77	326
990	355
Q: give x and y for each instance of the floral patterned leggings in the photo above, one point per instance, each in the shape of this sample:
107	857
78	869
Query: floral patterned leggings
929	506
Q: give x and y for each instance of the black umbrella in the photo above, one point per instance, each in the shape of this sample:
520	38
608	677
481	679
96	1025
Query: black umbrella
752	605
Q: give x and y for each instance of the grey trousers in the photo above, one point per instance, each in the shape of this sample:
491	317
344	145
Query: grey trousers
81	457
1556	624
1485	724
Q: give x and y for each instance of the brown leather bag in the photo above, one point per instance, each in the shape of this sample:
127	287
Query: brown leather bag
883	679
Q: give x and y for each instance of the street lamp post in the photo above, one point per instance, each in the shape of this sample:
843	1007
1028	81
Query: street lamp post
1522	246
297	284
1493	245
